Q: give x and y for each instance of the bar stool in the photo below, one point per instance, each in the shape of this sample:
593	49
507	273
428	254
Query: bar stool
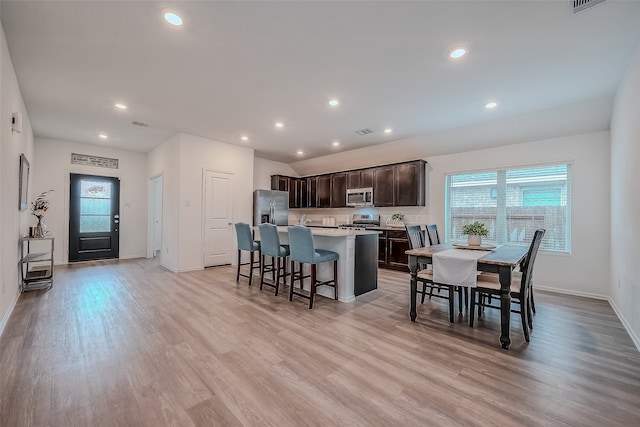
303	251
270	246
246	243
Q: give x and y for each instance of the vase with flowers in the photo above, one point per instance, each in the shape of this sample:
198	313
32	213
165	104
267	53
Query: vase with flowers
38	208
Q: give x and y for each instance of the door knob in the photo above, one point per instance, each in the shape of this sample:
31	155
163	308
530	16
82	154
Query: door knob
116	221
116	216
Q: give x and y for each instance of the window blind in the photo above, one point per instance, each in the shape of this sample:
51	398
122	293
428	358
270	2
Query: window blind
512	203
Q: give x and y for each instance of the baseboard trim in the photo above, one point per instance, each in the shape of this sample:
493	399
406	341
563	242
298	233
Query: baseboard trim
187	269
7	315
626	324
570	292
170	268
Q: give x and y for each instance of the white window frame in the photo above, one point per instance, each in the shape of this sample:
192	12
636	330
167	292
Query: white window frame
501	187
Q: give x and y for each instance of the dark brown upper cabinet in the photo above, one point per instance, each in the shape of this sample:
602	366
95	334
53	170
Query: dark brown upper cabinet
383	186
293	192
324	191
353	179
366	178
280	182
409	185
360	179
312	186
399	184
338	190
303	193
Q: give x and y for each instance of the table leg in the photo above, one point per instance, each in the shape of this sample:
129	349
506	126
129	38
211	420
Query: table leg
413	267
505	306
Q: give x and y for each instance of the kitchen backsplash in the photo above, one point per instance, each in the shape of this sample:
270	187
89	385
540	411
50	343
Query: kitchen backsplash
413	215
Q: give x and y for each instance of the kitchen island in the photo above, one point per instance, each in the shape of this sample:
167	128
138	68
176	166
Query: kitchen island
358	263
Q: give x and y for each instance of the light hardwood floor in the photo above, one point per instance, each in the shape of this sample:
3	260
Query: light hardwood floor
131	344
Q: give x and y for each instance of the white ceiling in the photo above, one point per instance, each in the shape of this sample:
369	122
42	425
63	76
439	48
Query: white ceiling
237	67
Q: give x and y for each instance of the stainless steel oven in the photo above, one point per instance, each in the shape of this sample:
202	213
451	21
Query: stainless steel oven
360	196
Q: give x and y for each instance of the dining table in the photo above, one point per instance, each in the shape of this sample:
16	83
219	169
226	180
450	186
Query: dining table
501	260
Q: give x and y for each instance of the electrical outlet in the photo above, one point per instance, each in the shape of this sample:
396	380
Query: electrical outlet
167	249
618	283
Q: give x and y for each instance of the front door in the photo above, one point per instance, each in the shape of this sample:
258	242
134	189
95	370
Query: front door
94	217
218	218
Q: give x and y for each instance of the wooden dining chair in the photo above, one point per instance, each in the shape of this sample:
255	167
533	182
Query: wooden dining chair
425	274
431	231
488	284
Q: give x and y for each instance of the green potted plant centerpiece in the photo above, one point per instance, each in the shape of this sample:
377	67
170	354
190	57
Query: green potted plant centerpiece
475	231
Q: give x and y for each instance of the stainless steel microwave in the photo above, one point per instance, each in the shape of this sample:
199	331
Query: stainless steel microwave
360	196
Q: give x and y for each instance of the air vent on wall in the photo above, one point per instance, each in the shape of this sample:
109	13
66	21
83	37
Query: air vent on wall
141	124
580	5
364	131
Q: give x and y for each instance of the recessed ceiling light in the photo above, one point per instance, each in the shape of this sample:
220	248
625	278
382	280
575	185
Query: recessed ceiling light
103	136
335	143
121	106
300	152
173	18
388	130
334	102
279	124
490	105
244	138
457	52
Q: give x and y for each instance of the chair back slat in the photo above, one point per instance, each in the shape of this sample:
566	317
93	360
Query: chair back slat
432	234
301	244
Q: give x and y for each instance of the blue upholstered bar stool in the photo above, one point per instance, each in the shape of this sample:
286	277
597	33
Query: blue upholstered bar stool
246	243
270	246
303	251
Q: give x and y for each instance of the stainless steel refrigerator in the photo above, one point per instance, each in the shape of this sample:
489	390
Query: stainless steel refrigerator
270	206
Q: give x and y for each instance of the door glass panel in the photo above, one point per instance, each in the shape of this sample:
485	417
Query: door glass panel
95	206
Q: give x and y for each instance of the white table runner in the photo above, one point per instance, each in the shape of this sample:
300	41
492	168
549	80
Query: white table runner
456	267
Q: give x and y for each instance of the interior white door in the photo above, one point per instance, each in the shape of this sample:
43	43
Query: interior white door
157	214
218	218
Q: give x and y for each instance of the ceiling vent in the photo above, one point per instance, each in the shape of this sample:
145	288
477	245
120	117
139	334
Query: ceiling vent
580	5
364	131
141	124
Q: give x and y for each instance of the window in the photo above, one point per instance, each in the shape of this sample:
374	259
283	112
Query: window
512	203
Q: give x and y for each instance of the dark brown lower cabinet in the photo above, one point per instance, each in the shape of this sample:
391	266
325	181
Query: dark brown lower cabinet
392	247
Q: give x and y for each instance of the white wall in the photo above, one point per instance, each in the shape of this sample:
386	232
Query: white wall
196	155
53	166
182	161
625	199
585	270
13	223
165	160
263	169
